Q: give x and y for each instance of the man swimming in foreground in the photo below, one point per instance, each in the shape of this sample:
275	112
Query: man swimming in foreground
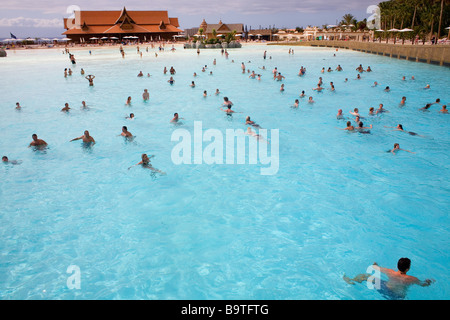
395	288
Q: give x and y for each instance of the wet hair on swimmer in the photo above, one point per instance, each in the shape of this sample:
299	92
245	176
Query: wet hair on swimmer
403	264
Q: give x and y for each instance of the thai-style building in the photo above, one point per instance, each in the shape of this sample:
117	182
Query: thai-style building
216	30
121	25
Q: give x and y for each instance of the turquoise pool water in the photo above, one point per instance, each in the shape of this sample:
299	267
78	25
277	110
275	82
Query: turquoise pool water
338	203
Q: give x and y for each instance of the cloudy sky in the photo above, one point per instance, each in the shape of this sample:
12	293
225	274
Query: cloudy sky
43	18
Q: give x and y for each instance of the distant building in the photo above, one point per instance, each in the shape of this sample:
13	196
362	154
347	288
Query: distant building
220	29
261	34
116	25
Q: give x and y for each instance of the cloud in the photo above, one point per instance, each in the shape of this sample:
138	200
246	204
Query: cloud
192	7
31	22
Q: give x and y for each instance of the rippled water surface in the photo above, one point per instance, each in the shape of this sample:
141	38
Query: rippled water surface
338	202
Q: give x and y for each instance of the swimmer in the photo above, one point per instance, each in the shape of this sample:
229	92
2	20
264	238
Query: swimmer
375	84
381	109
332	87
65	73
371	111
252	133
227	102
397	148
323	70
444	109
172	71
320	81
228	110
402	103
70	72
395	288
86	138
145	162
18	107
205	94
171	81
349	127
339	68
319	88
37	142
412	78
302	95
259	77
427	86
5	160
90	78
250	122
83	105
125	133
339	115
192	85
362	129
252	75
217	92
140	74
358	77
131	116
295	104
369	69
66	108
165	70
82	71
438	101
346	80
310	100
387	89
329	69
403	78
355	112
175	118
282	87
280	77
195	74
128	102
399	127
146	95
428	105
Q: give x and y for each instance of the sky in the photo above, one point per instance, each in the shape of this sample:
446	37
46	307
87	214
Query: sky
44	18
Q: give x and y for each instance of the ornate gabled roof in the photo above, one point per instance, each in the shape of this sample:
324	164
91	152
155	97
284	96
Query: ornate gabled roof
124	17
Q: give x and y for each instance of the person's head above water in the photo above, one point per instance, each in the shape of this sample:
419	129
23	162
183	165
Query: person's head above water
5	159
403	265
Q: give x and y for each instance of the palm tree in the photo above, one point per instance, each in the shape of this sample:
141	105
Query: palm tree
347	19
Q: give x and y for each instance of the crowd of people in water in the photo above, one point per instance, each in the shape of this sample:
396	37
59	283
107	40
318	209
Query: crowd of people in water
352	124
398	280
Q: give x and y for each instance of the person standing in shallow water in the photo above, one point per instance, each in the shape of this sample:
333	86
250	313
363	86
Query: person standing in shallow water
395	288
90	78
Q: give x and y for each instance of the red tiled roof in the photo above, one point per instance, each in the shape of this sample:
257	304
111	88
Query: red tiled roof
116	29
110	17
